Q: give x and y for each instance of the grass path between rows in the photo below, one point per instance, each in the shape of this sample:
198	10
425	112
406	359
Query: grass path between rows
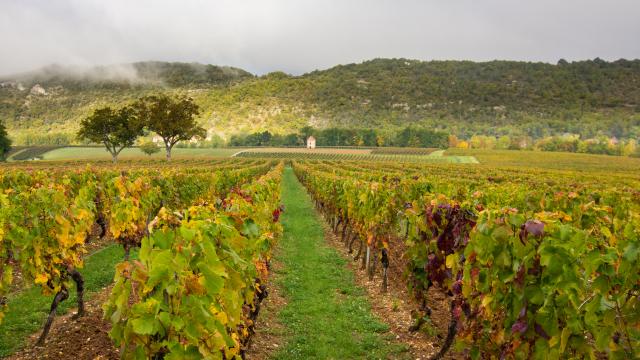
326	316
28	308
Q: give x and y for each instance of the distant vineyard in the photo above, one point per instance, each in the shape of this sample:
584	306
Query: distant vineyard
536	264
408	157
402	151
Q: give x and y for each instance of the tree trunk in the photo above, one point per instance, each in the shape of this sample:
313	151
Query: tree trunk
384	279
351	241
359	250
127	250
374	261
61	296
451	335
385	266
168	148
103	225
114	158
99	217
77	278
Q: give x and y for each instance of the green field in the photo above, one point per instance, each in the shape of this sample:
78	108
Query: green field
96	153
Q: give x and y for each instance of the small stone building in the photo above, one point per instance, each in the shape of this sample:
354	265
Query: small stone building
311	142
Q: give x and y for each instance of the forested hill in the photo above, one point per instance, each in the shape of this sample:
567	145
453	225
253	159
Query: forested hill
588	98
387	84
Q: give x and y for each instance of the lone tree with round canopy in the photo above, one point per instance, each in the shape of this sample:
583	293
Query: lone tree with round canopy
149	148
115	128
173	119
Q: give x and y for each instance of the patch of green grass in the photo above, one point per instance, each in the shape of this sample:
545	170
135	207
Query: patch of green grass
28	308
327	316
455	159
98	153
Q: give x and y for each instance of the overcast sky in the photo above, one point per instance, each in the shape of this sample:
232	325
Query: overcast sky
298	36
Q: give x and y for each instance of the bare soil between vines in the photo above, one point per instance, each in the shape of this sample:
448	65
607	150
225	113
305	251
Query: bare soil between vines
69	339
269	333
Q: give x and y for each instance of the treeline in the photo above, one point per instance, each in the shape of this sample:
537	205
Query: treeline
459	85
416	137
42	139
407	137
565	143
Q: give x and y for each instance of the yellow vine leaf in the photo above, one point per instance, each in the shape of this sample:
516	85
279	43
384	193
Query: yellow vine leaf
486	301
41	279
451	260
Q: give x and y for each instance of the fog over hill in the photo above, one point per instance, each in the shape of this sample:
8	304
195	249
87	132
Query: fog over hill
140	73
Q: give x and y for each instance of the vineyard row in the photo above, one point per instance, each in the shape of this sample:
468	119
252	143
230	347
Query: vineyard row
204	235
541	265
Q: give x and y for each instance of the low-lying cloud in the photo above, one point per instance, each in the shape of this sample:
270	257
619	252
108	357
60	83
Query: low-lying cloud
298	36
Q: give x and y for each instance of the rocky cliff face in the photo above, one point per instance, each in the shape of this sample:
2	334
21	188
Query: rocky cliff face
12	85
38	90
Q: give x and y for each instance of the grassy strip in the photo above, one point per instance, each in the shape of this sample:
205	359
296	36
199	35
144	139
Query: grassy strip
327	316
28	309
100	153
